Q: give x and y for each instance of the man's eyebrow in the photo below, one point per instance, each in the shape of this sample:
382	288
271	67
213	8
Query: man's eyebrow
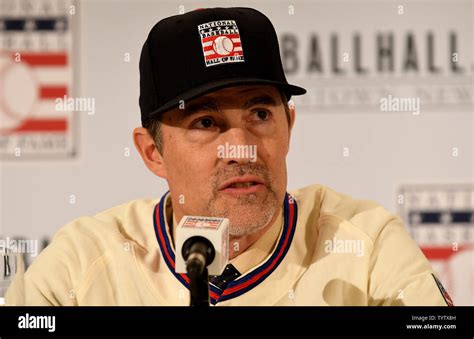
209	104
260	100
212	105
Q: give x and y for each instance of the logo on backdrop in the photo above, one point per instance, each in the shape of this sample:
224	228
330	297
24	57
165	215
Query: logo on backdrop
440	219
35	69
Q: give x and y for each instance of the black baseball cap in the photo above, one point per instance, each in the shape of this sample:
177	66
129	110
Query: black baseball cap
188	55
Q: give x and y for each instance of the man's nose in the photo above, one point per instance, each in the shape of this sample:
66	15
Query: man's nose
236	147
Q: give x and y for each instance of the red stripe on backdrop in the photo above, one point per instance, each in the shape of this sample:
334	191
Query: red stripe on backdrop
52	92
43	59
231	36
42	125
447	252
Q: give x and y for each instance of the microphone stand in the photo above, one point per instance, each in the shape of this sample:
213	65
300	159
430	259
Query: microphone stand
199	287
198	253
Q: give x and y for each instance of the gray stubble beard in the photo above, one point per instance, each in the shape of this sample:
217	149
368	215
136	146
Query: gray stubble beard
254	220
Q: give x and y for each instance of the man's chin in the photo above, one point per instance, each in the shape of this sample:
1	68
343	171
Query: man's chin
235	208
247	213
246	224
246	219
241	199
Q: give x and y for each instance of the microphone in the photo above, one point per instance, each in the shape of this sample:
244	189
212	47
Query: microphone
201	249
202	242
198	253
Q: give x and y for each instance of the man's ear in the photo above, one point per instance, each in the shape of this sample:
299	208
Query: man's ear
152	158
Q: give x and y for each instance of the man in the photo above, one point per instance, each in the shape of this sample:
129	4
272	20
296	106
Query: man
217	126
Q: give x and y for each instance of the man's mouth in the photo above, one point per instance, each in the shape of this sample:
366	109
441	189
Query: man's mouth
242	185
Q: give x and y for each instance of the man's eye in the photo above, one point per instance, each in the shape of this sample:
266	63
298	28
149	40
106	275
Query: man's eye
261	114
204	123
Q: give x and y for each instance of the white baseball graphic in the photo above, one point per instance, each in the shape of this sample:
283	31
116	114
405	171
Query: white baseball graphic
223	45
18	95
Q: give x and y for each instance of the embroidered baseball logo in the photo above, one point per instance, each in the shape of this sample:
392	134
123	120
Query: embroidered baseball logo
221	42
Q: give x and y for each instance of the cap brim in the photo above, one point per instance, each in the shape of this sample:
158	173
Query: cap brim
220	84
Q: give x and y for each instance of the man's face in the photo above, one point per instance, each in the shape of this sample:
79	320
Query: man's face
225	156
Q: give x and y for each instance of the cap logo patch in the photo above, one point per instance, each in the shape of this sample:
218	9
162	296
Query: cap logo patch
221	42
